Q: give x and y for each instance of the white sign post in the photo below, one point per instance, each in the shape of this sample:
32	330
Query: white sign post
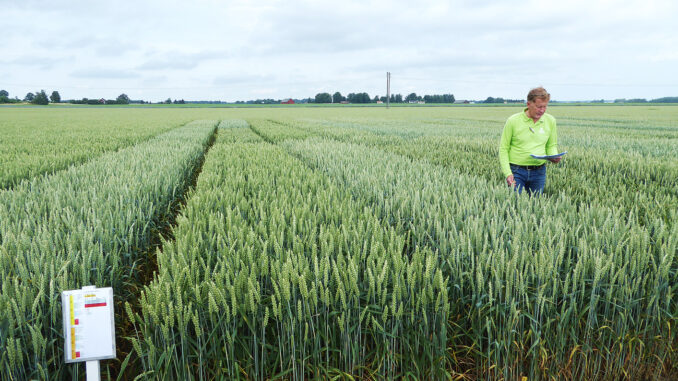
89	327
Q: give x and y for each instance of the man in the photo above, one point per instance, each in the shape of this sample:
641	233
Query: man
531	132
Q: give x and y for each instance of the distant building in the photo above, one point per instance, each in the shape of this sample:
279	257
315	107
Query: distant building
287	101
380	102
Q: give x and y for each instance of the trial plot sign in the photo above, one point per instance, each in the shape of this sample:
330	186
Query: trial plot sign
89	325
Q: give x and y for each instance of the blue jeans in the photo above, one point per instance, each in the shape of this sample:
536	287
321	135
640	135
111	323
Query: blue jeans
532	180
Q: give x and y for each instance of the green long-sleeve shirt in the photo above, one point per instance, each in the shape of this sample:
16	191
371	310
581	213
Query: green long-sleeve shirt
522	137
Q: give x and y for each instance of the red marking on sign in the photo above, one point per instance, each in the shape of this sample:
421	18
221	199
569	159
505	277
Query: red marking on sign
77	321
77	354
95	305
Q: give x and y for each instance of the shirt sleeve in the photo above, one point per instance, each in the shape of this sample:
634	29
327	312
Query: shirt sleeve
504	147
552	143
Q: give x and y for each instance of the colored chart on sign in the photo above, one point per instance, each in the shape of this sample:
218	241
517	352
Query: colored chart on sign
88	324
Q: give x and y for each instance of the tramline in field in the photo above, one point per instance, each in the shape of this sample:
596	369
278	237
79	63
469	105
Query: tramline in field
280	273
89	224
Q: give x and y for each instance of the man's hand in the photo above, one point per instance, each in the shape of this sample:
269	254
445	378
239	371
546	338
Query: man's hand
556	160
510	181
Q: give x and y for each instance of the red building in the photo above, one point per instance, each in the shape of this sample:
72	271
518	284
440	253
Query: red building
287	102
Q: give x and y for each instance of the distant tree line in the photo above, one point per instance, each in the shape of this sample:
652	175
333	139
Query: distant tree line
632	100
323	98
39	98
444	98
4	97
665	100
87	101
502	100
169	101
122	99
643	100
394	98
267	101
358	98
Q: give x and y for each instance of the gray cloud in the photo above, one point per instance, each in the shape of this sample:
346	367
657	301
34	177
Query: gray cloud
181	61
238	79
103	73
169	63
35	62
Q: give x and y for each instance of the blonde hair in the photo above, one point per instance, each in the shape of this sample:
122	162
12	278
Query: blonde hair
538	92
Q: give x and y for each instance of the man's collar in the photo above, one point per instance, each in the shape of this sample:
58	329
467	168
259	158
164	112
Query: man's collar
526	118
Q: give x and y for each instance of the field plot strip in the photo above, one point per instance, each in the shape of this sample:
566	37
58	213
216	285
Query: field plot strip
538	287
629	182
638	177
37	142
276	272
89	224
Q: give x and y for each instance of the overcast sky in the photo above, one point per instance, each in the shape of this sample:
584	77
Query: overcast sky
240	50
